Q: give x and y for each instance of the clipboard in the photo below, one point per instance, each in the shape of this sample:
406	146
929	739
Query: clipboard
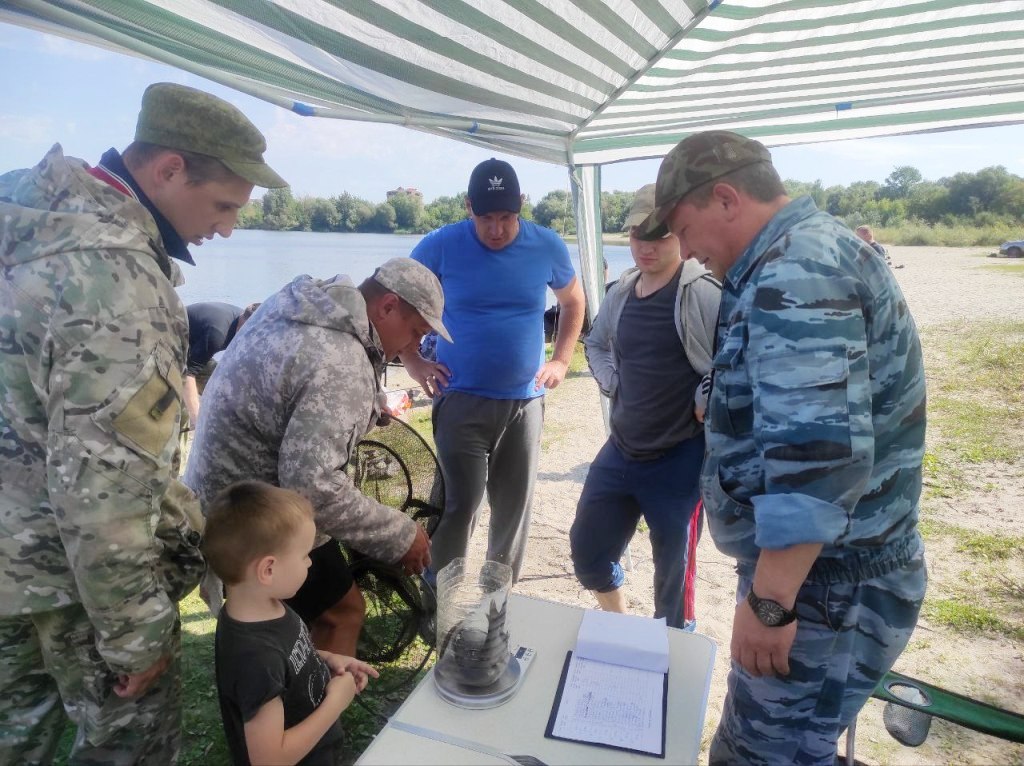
549	732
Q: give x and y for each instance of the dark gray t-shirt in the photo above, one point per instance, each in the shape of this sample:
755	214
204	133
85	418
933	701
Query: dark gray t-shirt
653	406
257	661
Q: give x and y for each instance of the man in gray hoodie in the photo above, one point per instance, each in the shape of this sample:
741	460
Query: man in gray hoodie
296	390
649	348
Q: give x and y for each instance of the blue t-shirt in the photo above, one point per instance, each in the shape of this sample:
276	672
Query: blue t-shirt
494	303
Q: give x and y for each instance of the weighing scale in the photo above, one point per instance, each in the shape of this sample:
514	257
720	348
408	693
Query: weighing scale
451	690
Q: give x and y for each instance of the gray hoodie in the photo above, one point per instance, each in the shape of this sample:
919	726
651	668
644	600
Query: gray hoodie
295	391
696	316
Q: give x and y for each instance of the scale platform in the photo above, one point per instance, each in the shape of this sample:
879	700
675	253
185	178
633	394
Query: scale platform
481	697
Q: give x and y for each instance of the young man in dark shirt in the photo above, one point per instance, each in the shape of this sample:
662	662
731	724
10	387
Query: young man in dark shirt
280	697
211	327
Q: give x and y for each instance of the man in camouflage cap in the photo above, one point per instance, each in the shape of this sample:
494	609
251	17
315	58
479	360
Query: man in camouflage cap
295	391
815	437
98	538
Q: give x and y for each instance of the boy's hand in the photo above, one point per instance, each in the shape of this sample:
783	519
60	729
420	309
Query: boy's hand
360	671
342	688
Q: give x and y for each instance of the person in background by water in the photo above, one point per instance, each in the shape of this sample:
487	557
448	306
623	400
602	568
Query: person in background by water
488	386
98	538
211	327
287	404
648	350
815	437
864	232
280	697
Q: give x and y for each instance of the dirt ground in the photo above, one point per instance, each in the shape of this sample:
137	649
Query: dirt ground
941	285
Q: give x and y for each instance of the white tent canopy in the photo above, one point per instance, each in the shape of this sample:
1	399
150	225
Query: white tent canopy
587	82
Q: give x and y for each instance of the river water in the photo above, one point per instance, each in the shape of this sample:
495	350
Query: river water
251	265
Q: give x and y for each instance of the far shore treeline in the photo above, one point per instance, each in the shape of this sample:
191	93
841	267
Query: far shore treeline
983	208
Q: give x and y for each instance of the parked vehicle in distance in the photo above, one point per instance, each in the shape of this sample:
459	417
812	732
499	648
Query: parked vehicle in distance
1012	249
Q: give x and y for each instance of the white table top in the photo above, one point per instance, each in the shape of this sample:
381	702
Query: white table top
518	725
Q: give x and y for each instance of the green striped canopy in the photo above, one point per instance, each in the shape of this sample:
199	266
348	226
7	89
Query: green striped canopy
587	82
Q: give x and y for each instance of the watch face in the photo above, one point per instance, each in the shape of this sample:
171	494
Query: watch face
771	613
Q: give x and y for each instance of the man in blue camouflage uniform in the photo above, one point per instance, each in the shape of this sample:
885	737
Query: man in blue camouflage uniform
98	538
815	437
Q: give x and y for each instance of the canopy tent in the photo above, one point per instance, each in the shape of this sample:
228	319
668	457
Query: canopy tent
587	82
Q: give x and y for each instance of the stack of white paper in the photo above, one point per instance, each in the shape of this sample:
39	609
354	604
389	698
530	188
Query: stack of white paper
623	639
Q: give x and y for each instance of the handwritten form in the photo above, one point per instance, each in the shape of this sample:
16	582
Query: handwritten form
612	705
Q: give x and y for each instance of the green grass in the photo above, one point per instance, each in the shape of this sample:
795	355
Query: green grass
990	547
969	617
1007	268
975	400
203	742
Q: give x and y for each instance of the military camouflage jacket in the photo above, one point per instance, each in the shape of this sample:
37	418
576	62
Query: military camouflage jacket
93	346
295	391
817	416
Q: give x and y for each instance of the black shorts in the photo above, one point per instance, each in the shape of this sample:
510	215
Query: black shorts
328	581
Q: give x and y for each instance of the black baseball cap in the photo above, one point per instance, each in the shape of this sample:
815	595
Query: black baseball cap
494	187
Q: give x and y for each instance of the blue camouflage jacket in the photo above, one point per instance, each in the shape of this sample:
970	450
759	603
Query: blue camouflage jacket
816	422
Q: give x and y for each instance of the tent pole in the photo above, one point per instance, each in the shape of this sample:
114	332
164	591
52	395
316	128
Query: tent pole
585	181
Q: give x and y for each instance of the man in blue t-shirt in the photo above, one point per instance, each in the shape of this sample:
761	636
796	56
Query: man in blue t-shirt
488	386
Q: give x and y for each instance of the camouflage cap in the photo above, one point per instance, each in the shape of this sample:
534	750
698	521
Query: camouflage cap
417	286
178	117
643	206
693	162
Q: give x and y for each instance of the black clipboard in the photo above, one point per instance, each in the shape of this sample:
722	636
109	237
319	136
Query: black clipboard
549	731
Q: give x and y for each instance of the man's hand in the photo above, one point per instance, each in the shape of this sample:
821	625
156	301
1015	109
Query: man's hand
432	376
550	375
417	557
136	684
762	651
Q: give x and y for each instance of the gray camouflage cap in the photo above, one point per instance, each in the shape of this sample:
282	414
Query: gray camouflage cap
643	206
178	117
417	286
693	162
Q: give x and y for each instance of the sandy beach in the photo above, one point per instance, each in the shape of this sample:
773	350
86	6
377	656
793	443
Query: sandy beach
944	287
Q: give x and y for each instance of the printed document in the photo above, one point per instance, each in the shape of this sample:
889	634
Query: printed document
614	686
612	705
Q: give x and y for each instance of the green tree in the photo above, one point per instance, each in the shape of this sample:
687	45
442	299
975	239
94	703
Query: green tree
900	182
443	211
384	219
555	205
251	215
805	188
280	210
928	202
973	193
408	210
614	207
323	215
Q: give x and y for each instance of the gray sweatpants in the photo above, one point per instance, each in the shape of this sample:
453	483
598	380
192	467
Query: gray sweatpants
493	445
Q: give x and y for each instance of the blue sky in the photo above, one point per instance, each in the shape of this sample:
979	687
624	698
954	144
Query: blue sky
87	98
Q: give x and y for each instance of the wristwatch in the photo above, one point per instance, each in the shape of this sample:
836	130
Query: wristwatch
771	613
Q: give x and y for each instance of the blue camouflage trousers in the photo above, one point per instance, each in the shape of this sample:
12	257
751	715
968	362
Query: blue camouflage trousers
848	637
50	671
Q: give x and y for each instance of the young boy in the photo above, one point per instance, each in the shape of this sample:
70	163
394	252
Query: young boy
279	697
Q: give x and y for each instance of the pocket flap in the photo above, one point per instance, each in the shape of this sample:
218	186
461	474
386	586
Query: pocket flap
804	370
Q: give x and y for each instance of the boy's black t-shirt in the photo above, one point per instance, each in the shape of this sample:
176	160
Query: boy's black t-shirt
257	661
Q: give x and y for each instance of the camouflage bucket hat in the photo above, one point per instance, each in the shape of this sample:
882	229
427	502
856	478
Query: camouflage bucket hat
695	161
417	286
178	117
643	206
